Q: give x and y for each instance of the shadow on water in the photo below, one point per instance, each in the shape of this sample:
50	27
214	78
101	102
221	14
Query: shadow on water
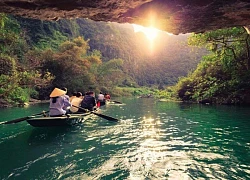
47	135
24	150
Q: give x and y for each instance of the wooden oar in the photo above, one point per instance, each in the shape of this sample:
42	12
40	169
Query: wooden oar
21	119
98	114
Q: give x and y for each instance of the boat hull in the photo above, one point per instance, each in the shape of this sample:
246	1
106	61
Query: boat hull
73	119
102	103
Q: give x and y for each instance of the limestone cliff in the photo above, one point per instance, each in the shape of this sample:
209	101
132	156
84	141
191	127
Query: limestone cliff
175	16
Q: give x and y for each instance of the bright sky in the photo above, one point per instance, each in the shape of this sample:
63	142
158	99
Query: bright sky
150	32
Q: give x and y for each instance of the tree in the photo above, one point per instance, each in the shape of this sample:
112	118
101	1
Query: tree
231	45
109	74
222	76
17	82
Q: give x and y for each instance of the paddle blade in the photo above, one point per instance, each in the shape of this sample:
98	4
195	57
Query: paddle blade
117	102
106	117
100	115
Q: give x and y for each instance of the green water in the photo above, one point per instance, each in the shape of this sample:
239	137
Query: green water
154	140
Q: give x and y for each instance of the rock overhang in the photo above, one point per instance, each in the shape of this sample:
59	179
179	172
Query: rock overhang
174	16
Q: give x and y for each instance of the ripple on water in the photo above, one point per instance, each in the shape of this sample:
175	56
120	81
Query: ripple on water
181	143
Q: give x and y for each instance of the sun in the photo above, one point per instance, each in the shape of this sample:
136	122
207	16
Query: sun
150	32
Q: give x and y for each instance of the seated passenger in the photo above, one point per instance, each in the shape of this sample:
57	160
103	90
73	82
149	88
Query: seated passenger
73	96
88	102
107	97
100	100
66	90
100	97
58	101
76	102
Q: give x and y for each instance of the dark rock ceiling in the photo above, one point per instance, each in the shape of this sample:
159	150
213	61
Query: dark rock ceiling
175	16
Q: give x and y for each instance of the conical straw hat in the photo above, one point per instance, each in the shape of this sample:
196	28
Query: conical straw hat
57	92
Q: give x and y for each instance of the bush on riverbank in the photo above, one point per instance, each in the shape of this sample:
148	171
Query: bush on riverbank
223	76
132	91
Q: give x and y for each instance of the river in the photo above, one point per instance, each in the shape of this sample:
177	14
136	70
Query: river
153	140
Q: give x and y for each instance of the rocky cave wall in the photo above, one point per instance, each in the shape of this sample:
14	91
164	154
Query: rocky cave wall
174	16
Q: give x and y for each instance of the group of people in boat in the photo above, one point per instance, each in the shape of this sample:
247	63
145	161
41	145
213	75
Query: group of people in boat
61	103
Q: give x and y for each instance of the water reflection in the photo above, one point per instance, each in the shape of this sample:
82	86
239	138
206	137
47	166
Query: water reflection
153	141
184	144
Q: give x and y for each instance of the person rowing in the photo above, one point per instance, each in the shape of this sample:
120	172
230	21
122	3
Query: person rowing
59	103
88	101
76	102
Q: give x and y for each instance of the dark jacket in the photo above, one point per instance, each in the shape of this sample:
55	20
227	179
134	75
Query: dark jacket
88	102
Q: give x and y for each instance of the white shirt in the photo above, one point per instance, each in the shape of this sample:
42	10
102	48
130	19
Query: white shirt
100	97
76	102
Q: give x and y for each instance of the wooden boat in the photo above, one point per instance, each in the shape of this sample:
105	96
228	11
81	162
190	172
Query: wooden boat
43	120
101	103
72	119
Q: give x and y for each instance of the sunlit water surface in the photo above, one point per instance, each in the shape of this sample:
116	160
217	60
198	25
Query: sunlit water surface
153	140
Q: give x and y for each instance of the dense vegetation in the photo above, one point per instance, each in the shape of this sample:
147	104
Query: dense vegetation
81	55
169	58
18	78
223	76
28	71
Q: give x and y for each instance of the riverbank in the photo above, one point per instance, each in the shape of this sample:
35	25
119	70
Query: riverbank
6	104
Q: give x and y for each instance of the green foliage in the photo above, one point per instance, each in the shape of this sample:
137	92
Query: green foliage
19	74
52	42
167	94
130	91
33	93
230	45
113	65
49	54
184	88
19	95
4	83
109	74
73	66
220	77
7	65
165	62
11	39
128	82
